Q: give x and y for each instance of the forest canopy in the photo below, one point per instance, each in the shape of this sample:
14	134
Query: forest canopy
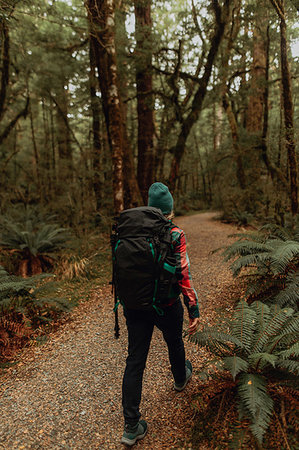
112	96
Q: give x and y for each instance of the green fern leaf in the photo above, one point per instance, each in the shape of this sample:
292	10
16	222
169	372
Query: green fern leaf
290	295
235	364
251	260
271	328
289	365
284	253
244	323
293	352
252	390
260	360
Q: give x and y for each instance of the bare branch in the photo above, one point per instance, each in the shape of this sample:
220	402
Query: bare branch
13	122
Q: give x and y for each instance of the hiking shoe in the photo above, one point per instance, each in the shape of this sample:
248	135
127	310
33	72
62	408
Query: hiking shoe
133	434
181	386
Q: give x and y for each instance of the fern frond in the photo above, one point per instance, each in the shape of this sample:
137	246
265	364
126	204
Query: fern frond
235	365
244	248
252	390
217	342
263	314
282	255
260	360
243	324
290	295
293	352
290	365
271	329
251	260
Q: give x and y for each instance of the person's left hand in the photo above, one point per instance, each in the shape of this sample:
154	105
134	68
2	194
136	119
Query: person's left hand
193	324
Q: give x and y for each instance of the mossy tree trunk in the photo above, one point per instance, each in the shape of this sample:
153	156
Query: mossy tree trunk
144	84
102	22
287	106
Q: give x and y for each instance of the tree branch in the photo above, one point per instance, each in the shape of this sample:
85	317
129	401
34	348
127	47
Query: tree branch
66	123
13	122
5	67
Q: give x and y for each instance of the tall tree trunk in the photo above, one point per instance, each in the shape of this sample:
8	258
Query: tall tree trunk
254	121
53	146
63	136
4	82
237	150
143	61
4	39
132	196
36	155
95	109
48	172
287	105
235	141
221	15
101	18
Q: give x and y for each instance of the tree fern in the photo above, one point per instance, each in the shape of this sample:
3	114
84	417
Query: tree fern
34	242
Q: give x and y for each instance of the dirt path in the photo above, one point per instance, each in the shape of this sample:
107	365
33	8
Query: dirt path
66	394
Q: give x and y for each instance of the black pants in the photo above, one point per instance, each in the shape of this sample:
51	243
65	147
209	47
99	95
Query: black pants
140	329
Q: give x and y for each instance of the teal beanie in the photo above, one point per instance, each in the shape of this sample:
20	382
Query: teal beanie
160	197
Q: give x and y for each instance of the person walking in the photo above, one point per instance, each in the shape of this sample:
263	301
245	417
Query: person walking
140	325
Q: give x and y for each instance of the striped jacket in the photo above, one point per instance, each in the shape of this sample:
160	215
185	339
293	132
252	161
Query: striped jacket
183	272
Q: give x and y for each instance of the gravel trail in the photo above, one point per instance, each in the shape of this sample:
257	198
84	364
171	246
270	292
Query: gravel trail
66	394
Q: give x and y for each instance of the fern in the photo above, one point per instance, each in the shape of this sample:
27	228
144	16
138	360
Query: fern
235	364
272	254
292	351
29	297
284	252
271	328
289	295
252	390
244	323
261	344
289	365
34	241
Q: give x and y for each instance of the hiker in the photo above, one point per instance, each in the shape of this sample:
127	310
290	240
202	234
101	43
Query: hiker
141	323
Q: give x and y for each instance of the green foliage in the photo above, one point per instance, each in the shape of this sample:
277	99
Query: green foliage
30	297
235	216
269	260
25	305
34	240
258	346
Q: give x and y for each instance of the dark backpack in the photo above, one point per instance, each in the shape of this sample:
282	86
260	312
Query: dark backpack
143	261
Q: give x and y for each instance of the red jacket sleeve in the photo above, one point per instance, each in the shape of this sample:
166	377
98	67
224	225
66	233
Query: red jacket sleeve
183	272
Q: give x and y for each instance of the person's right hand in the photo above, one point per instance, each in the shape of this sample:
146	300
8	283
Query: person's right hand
193	324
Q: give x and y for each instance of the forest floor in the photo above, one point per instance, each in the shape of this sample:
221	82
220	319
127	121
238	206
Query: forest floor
66	393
